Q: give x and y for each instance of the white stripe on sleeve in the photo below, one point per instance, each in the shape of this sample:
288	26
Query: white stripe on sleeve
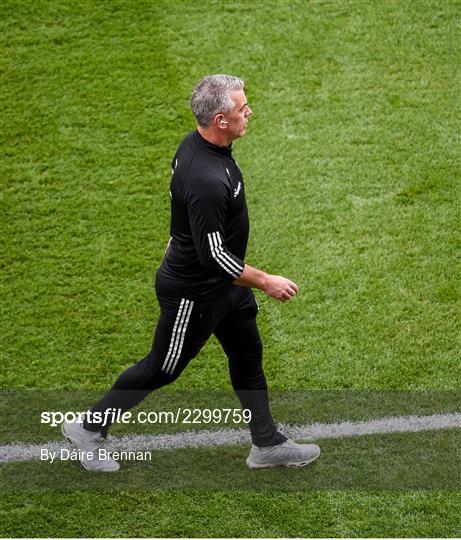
226	262
224	256
222	262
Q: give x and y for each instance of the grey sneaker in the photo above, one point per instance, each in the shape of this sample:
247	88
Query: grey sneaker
287	454
91	446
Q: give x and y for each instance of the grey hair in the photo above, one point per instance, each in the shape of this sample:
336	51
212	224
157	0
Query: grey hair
211	96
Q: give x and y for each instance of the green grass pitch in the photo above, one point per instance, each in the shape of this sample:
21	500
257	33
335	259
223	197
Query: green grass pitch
351	163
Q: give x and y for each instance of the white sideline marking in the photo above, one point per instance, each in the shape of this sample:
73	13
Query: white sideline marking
222	437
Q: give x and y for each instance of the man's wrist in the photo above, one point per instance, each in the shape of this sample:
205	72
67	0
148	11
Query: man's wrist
264	281
253	277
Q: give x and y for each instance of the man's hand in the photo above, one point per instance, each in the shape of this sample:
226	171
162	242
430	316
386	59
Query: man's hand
278	287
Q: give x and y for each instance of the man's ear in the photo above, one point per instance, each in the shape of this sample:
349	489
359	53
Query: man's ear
220	122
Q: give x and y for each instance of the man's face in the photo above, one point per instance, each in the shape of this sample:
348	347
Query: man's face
238	116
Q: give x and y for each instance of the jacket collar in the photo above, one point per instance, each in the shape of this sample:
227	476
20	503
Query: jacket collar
212	148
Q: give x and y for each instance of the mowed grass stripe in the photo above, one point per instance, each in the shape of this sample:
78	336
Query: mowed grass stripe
221	437
399	461
313	514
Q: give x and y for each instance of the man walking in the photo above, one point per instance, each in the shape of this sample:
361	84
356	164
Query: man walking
204	287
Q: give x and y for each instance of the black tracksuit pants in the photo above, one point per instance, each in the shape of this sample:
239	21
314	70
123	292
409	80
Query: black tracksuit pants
183	328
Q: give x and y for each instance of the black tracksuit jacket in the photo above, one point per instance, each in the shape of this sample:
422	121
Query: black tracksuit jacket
209	222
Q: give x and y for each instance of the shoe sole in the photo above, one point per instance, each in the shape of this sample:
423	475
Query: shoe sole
254	465
74	445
